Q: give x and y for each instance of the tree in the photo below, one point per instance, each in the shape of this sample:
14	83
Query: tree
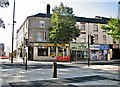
2	23
3	4
64	27
113	28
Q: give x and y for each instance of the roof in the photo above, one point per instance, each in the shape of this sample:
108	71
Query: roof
40	15
91	20
98	19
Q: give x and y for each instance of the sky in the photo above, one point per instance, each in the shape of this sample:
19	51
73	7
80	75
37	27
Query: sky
25	8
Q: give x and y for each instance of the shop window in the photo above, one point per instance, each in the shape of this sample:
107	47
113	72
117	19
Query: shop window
42	51
52	51
60	51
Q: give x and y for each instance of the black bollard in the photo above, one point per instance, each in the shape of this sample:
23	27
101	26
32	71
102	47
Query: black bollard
26	64
54	69
26	61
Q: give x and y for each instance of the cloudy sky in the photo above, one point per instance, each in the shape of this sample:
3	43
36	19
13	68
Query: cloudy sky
24	8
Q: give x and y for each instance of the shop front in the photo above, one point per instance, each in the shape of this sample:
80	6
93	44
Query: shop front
99	52
50	51
78	51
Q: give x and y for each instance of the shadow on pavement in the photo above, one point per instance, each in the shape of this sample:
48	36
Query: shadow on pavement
62	82
35	66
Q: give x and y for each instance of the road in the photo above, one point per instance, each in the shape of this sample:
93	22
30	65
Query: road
69	74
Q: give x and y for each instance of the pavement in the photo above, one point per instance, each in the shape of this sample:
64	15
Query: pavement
98	62
74	74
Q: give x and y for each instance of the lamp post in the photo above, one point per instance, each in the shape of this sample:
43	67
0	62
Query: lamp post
13	31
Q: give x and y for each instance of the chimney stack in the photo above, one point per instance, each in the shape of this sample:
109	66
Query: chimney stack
48	8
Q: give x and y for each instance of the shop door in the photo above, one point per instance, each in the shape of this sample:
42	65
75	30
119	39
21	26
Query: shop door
116	54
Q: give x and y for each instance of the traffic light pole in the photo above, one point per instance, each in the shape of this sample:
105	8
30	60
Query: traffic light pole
25	54
88	50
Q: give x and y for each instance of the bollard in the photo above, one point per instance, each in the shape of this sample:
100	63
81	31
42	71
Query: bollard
54	69
26	61
26	64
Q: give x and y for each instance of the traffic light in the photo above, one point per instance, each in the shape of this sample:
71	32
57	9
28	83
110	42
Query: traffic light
26	42
92	39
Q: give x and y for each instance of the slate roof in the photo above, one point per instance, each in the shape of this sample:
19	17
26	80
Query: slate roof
99	19
41	15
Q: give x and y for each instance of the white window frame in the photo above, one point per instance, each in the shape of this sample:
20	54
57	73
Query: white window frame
95	27
41	38
82	26
41	24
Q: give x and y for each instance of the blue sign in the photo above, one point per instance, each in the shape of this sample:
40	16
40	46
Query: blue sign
94	47
104	47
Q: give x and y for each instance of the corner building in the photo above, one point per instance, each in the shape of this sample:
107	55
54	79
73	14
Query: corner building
35	30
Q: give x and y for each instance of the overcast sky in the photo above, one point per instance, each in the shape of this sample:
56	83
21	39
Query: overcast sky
24	8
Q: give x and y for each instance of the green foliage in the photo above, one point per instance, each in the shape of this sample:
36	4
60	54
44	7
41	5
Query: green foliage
64	27
4	3
2	25
113	28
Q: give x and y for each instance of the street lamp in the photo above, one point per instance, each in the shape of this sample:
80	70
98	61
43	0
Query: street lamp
13	31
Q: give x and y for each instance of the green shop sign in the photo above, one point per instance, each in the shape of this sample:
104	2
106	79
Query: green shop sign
78	46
